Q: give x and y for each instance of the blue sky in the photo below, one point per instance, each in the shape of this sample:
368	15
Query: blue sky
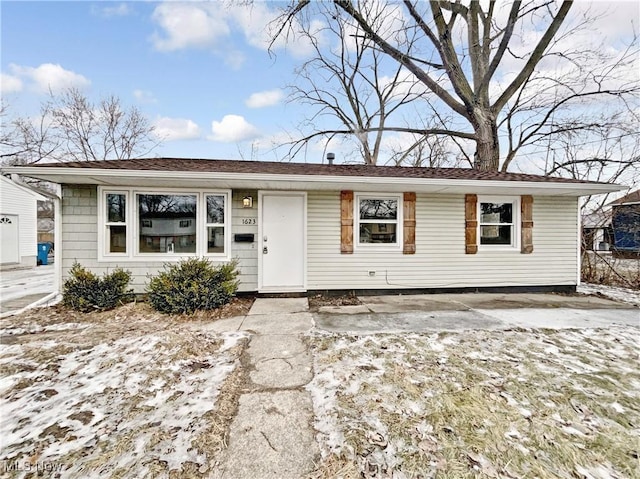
200	71
183	77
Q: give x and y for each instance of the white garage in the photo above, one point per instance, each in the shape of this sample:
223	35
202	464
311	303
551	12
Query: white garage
18	224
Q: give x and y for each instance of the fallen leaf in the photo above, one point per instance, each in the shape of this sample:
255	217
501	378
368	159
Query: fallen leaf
483	464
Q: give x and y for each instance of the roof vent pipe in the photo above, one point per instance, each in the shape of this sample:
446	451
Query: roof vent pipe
330	158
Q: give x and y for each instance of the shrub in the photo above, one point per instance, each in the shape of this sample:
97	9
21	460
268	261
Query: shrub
84	291
191	285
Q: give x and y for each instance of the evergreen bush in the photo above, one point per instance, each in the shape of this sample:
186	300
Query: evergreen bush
191	285
85	292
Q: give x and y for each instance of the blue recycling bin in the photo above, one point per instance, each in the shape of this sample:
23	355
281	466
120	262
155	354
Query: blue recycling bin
43	253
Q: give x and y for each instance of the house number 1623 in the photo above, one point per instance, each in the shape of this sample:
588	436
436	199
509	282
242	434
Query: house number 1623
248	221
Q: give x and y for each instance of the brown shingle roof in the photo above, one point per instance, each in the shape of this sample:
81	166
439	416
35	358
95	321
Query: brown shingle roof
633	197
313	169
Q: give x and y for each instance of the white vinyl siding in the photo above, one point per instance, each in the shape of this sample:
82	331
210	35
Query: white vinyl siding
15	200
80	239
440	260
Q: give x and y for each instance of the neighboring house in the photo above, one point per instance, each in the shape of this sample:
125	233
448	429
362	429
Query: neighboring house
18	224
166	232
597	232
625	219
308	227
46	228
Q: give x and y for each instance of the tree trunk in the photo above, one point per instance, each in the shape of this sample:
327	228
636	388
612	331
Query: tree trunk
487	157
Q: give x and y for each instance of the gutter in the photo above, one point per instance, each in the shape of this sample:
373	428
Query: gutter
318	179
57	238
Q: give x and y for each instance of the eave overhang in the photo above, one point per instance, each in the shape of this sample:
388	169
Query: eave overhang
189	179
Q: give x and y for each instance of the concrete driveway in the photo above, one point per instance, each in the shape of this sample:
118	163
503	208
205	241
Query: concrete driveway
455	312
21	287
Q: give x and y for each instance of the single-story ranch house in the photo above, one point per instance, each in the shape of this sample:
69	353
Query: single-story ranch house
308	227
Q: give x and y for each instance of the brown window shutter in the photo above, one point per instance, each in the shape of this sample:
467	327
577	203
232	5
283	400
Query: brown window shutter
471	224
409	223
526	216
346	222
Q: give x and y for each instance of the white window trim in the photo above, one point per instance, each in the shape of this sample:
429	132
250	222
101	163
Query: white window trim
397	246
226	225
133	228
103	231
515	218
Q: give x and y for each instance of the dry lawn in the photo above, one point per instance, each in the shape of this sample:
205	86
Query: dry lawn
600	268
123	393
502	404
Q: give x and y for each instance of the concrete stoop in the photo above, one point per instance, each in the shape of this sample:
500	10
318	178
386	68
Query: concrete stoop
272	435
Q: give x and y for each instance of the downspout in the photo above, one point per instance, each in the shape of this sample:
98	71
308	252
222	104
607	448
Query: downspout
57	238
579	243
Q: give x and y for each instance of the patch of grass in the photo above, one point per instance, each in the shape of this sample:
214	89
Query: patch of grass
139	394
482	403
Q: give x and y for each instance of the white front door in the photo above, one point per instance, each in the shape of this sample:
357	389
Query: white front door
283	239
9	239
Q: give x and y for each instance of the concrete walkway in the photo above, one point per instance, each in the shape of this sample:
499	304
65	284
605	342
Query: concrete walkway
455	312
272	434
22	287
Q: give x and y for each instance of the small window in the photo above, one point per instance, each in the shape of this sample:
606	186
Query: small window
378	220
215	224
185	223
116	216
497	223
147	223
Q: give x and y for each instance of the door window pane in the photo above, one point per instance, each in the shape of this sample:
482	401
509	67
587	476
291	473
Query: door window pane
160	217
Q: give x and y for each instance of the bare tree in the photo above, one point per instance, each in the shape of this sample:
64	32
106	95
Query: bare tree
352	83
72	128
482	74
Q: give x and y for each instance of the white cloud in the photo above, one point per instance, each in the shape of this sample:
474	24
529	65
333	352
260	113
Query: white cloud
144	96
209	24
9	83
171	129
235	59
233	129
264	98
256	23
50	77
121	10
188	25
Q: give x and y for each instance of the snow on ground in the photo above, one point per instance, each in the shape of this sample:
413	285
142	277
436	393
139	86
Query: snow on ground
122	396
509	404
617	293
18	283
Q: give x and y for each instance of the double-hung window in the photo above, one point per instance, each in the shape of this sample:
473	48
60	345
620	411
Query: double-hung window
154	224
378	221
498	222
115	214
215	223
